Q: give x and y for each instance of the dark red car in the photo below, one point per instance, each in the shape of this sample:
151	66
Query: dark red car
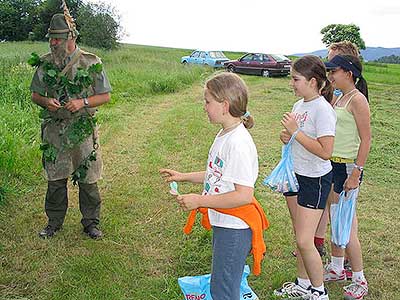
260	64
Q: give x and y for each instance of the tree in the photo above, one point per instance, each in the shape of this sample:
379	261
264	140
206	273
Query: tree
391	59
99	25
334	33
17	18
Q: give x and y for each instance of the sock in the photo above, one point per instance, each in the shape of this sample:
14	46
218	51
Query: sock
304	283
318	242
337	263
359	276
319	289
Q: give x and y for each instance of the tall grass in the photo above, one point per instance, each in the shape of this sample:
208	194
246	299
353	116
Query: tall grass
135	72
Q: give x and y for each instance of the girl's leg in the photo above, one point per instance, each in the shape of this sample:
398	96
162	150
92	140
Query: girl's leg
320	234
309	260
359	286
323	223
334	271
230	249
353	249
291	202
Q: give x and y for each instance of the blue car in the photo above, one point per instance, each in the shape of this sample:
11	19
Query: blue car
214	59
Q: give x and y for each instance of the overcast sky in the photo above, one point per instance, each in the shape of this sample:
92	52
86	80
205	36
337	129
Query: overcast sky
274	26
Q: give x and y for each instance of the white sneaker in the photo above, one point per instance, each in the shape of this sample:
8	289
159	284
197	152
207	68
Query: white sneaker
317	296
356	291
331	275
292	290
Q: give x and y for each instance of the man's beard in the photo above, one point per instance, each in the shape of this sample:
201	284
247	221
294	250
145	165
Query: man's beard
59	53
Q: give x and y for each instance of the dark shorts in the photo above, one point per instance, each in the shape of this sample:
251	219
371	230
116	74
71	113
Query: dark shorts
313	191
340	173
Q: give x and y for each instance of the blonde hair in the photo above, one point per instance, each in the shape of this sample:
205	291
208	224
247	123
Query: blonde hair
228	86
345	48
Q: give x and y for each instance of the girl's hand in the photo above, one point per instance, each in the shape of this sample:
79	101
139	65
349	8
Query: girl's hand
171	175
189	201
352	182
285	136
289	123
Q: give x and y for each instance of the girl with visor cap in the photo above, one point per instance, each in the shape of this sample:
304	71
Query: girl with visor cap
350	152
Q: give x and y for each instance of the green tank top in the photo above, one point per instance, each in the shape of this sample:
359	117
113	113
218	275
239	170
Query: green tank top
347	140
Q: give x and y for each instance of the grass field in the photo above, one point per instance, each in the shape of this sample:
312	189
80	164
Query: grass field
156	120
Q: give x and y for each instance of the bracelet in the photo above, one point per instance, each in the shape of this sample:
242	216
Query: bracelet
360	168
86	102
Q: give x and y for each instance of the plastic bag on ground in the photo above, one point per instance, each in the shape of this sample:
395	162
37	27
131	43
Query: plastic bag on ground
198	287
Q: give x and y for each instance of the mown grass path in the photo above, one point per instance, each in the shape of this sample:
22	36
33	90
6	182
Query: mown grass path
144	250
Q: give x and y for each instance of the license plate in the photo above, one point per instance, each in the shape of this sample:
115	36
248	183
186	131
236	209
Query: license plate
287	66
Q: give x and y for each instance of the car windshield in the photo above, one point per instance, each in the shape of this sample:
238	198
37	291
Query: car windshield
217	54
279	58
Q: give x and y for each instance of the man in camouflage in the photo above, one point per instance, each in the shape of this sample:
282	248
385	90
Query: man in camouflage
63	109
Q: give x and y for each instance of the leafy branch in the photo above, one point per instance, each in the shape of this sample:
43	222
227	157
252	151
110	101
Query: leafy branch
81	172
76	132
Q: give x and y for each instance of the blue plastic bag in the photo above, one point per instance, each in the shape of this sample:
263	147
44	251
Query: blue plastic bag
342	215
283	179
198	287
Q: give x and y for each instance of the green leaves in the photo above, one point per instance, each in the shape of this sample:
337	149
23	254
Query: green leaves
51	73
49	152
44	114
95	68
34	60
334	33
50	76
61	83
78	131
81	172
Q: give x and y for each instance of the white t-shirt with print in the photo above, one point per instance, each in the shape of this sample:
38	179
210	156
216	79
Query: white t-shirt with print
316	118
232	159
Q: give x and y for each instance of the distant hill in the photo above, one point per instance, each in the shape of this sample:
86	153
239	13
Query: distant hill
371	53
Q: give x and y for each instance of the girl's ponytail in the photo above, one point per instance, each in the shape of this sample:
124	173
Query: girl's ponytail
248	121
327	91
362	86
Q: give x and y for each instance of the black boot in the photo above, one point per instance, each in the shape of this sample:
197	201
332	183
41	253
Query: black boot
48	232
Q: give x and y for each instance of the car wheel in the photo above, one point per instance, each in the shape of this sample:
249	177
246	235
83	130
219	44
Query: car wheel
265	73
231	68
184	62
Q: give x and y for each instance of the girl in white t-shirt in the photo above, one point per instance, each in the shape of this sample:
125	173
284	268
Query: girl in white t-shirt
232	169
313	121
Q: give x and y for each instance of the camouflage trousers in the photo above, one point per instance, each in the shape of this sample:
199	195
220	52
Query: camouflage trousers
56	203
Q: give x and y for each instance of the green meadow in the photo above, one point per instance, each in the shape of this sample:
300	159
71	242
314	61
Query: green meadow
156	119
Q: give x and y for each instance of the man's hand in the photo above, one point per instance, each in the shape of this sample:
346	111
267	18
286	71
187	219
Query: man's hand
74	105
188	201
52	104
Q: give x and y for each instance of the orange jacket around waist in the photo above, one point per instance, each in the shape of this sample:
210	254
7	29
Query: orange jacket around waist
252	214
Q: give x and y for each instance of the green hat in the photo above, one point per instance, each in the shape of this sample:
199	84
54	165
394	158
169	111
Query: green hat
59	28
